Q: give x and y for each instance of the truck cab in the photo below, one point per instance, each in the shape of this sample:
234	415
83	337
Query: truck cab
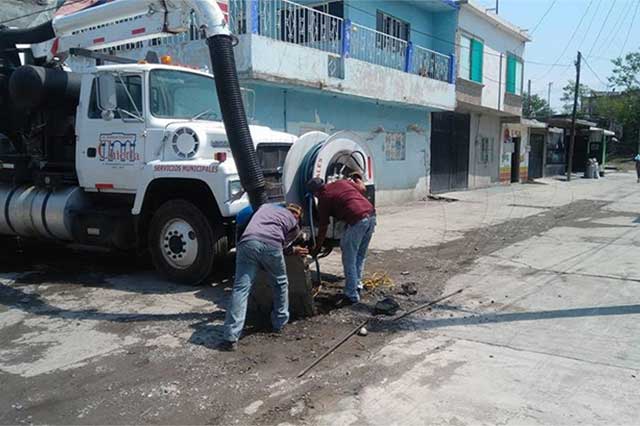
168	123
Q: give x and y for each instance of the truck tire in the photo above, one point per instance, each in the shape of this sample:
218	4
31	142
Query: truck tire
181	242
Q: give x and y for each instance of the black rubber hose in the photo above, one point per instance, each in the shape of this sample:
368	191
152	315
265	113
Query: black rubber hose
235	119
37	34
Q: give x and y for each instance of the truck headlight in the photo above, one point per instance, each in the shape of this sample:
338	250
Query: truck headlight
235	189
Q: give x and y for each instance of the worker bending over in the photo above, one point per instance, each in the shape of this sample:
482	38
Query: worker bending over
345	200
271	229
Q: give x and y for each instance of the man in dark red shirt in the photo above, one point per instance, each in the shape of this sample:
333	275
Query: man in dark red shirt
345	201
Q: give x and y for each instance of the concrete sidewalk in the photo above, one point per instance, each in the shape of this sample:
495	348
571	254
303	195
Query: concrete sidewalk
547	330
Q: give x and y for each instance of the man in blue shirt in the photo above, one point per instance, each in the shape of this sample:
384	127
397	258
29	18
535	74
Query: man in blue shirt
272	229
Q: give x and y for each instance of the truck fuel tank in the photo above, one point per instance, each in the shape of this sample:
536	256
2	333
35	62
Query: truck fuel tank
28	211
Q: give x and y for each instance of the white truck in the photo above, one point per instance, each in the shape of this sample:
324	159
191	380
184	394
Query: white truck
143	156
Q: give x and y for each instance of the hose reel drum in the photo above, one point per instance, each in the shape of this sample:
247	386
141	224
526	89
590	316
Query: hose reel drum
330	157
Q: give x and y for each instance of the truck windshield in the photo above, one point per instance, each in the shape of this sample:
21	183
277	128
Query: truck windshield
180	94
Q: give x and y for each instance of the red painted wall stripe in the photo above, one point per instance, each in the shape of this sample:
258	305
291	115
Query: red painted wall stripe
98	40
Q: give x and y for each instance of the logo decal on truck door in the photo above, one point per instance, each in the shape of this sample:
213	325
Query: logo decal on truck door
118	148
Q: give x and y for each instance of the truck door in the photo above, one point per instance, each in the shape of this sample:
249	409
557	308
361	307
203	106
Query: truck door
110	153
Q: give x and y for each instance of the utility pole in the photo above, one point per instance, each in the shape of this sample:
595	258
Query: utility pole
549	96
572	141
529	111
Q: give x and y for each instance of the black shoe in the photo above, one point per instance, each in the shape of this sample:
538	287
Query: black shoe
228	346
345	301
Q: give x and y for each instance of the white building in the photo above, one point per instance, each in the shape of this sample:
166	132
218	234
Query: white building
489	88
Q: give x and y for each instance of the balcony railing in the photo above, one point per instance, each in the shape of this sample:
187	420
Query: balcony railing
377	48
428	63
289	22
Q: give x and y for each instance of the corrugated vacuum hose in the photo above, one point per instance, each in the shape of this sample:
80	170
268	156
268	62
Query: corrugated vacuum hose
235	119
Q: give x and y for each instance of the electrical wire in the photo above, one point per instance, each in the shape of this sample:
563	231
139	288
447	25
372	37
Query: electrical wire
445	40
604	23
543	16
633	19
594	73
614	34
566	47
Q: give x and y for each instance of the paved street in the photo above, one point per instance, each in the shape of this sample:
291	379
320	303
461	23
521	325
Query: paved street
546	330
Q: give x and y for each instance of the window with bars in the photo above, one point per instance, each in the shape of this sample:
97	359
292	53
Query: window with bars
392	26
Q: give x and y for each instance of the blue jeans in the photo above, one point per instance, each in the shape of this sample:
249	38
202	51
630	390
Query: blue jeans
354	246
251	256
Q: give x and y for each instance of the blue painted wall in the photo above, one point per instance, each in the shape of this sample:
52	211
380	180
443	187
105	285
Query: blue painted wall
445	25
420	20
425	24
307	110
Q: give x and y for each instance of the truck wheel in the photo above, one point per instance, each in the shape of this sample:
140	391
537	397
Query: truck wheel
181	242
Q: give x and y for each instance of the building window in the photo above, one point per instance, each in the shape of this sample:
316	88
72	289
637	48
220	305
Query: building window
333	8
395	146
471	58
392	26
485	147
514	75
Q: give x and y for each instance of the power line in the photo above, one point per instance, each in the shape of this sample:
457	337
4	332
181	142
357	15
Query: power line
593	18
633	19
543	16
604	23
566	47
497	55
614	34
595	73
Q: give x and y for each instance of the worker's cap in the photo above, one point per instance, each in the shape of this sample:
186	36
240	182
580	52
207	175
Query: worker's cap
314	185
294	208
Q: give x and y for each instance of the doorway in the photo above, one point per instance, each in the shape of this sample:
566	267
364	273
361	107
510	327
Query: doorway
449	151
536	156
515	161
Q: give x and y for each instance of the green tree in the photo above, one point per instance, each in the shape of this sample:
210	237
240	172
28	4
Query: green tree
536	107
626	72
568	93
622	106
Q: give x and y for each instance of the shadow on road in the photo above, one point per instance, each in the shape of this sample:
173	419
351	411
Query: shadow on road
524	316
34	304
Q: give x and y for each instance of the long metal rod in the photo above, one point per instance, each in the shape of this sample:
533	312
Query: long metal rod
426	305
364	323
333	348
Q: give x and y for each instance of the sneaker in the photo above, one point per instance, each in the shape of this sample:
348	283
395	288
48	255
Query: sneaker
228	346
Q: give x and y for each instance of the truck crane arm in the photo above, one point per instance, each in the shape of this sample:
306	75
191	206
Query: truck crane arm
136	20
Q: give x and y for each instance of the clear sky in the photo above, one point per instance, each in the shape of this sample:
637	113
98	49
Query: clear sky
553	42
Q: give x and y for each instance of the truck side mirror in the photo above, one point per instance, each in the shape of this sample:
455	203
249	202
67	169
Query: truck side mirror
107	94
